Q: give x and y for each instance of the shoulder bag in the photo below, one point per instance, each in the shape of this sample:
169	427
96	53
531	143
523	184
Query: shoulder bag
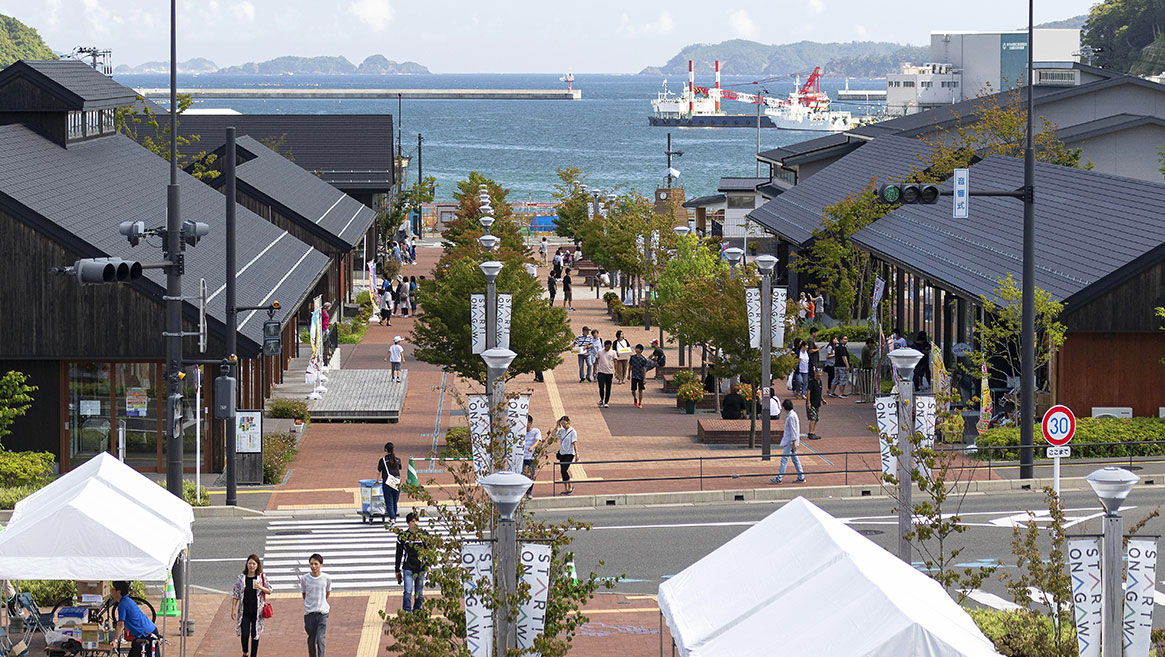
390	479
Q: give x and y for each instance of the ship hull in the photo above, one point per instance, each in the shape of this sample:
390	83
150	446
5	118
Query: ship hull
712	121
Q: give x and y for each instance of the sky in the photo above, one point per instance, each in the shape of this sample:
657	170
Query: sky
498	36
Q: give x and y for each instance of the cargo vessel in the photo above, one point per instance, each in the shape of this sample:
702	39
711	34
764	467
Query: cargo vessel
807	108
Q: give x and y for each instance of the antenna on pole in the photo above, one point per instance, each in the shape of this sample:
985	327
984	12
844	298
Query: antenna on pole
669	153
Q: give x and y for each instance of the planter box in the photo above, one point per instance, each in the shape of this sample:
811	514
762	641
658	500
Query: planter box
709	401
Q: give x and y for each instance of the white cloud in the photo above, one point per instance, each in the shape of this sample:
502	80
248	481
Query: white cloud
742	24
817	6
863	33
54	9
244	11
663	24
377	13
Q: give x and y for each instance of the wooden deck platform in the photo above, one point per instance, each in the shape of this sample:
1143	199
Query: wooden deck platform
367	395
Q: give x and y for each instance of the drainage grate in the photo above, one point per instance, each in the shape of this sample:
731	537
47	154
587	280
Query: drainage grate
610	502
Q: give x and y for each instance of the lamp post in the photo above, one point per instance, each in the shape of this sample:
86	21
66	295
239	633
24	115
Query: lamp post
681	231
733	254
491	269
905	360
766	263
505	490
1112	485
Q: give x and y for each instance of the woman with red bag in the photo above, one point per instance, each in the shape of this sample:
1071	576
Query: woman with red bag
252	589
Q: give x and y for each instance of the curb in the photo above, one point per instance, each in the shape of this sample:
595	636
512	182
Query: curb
225	512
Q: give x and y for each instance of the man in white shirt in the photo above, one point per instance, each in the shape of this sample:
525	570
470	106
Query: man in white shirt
542	250
396	358
789	442
316	587
529	457
774	405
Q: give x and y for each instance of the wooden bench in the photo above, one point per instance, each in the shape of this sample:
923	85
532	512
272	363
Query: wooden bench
715	431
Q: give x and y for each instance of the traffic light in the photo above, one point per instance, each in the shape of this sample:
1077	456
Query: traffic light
133	231
91	271
272	338
192	231
907	193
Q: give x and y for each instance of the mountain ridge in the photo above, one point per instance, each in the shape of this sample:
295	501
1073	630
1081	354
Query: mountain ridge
837	59
285	65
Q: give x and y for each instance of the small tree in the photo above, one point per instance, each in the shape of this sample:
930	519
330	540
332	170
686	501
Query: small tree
130	120
15	400
462	232
388	219
573	203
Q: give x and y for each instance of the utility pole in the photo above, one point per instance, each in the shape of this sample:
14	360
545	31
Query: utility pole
174	265
232	318
1028	320
669	152
420	171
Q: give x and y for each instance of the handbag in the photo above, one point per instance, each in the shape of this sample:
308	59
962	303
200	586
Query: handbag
789	381
268	612
390	479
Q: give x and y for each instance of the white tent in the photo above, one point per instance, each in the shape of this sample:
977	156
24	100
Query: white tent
95	533
803	584
136	487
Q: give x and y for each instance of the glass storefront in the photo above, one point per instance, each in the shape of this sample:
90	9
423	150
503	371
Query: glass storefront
106	399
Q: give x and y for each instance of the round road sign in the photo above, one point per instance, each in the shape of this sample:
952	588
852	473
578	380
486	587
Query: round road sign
1059	425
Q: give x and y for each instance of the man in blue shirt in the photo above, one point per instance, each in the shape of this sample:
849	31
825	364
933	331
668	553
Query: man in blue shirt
131	618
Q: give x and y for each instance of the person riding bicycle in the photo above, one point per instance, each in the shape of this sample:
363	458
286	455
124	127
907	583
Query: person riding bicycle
131	619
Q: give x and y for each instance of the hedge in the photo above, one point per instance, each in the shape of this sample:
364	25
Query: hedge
10	495
188	492
289	409
279	449
26	468
1088	430
1018	632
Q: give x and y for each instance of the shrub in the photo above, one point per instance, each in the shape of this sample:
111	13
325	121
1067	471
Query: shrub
305	337
686	376
278	451
609	297
1020	632
631	317
690	392
364	297
457	443
353	333
26	468
780	366
1088	430
289	408
48	592
188	493
10	495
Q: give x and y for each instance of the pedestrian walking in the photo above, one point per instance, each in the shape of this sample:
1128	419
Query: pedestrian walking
819	305
813	402
567	299
897	339
865	380
830	350
802	378
922	370
413	286
814	351
552	286
593	350
412	249
580	347
396	358
810	309
325	317
248	602
402	297
388	472
802	307
316	587
395	251
660	357
530	455
623	354
790	439
542	248
410	567
567	450
774	405
385	308
556	263
604	372
638	364
841	369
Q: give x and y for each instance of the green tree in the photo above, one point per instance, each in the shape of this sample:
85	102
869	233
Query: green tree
15	400
389	218
462	232
19	41
1121	31
140	123
573	203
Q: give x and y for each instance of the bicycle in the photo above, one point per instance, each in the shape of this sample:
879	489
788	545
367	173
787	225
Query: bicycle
105	613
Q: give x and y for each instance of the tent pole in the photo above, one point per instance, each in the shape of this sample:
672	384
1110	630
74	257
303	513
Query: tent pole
185	599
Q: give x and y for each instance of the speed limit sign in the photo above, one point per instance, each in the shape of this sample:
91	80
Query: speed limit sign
1059	425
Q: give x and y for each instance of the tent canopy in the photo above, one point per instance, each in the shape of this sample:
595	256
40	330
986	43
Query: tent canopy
136	487
804	581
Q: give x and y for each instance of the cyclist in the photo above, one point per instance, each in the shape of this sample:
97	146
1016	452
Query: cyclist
131	619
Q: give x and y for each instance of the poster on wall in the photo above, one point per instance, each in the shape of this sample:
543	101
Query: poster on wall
90	407
136	402
249	432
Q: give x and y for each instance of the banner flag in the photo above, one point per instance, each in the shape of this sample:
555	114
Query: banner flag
516	411
752	304
479	622
988	408
535	560
478	414
1084	567
1139	596
940	379
505	304
879	289
780	301
477	321
373	288
886	409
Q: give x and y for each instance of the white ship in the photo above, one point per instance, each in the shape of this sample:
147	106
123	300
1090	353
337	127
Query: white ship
807	108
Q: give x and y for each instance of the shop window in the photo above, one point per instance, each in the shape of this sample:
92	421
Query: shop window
90	410
136	408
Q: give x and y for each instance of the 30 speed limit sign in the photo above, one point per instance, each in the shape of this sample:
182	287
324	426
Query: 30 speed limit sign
1059	425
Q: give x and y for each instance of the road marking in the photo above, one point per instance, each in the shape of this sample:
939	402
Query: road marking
373	625
683	525
1009	519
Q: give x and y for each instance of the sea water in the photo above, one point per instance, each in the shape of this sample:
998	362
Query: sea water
521	143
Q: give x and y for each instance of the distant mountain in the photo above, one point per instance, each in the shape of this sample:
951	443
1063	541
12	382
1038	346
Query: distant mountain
196	65
379	65
853	59
1074	23
19	41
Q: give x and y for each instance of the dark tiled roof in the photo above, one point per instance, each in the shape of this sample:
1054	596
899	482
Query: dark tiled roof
774	188
1106	125
795	214
352	152
79	196
705	201
812	149
78	85
733	184
308	199
1088	225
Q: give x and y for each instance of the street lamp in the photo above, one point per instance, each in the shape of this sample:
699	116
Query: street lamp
766	263
491	269
733	254
1112	485
905	360
506	489
681	230
486	221
489	241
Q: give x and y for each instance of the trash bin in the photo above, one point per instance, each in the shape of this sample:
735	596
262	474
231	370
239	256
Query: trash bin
371	500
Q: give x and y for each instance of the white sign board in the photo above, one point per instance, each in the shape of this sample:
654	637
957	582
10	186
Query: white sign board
886	409
479	622
962	193
505	305
478	413
516	411
248	432
1139	592
780	300
477	321
752	304
535	558
1087	587
1059	452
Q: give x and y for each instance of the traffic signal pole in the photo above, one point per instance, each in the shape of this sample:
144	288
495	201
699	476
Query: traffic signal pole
1028	312
232	317
173	292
